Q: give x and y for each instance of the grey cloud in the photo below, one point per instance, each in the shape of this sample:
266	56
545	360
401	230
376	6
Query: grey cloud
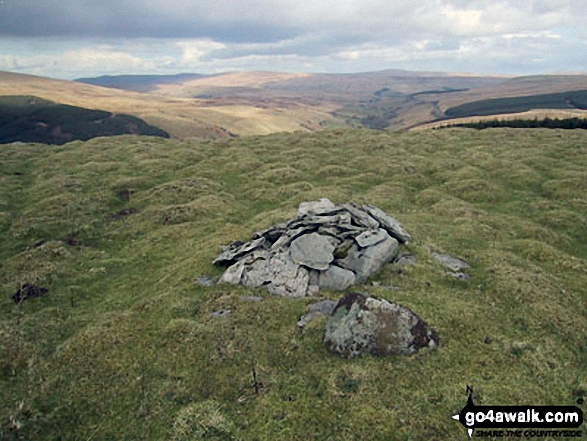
314	31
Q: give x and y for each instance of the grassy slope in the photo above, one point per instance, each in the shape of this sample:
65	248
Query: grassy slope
180	117
29	119
123	347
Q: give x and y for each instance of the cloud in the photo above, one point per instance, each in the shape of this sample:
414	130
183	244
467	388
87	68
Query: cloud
207	36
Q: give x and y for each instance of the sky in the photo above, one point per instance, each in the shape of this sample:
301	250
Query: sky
83	38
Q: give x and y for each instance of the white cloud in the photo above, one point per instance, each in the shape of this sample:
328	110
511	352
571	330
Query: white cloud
193	51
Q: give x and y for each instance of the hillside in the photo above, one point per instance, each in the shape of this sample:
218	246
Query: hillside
123	344
137	83
180	117
30	119
259	103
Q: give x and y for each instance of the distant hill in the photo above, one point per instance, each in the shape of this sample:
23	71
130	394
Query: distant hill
178	116
32	119
259	103
564	100
138	83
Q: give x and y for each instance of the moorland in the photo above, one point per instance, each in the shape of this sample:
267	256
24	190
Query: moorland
123	344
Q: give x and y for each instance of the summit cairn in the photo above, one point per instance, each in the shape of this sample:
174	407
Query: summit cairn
325	246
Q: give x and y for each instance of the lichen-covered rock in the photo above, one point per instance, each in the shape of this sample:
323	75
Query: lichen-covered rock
362	325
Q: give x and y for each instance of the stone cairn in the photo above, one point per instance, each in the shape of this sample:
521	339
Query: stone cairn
325	246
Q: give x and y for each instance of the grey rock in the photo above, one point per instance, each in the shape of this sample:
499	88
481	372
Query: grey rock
287	278
463	277
289	236
272	233
313	251
233	274
324	307
361	217
237	249
323	205
369	238
391	225
337	279
257	273
362	325
325	246
365	262
221	313
450	262
405	258
251	298
317	310
317	220
205	281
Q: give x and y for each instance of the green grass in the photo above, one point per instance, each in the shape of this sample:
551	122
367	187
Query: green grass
515	104
124	347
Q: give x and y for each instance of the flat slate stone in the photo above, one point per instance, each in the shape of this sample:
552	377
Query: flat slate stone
370	238
237	249
452	263
361	217
323	205
405	258
312	250
391	225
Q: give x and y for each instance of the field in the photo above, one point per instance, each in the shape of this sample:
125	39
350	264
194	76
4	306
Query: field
123	346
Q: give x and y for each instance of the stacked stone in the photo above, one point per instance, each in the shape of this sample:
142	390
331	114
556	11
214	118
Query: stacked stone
325	246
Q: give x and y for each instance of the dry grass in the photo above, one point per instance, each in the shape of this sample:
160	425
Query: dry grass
181	117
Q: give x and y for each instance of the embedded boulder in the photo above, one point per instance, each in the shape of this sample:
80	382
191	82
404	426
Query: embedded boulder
325	246
361	325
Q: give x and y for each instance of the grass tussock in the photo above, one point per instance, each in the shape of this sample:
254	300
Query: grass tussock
124	345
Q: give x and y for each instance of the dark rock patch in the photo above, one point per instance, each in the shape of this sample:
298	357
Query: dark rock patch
29	291
125	194
123	213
